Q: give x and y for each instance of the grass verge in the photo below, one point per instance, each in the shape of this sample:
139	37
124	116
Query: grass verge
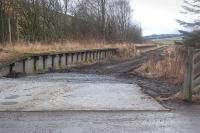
170	66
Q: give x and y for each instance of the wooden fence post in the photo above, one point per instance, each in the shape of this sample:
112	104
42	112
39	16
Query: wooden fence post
187	91
135	50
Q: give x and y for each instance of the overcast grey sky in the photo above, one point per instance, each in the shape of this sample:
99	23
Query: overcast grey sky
157	16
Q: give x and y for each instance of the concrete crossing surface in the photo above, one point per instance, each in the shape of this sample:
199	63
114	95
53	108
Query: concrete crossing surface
62	92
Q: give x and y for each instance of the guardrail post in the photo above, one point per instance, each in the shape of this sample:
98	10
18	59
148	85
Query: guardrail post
66	59
84	56
69	59
48	63
44	65
87	56
101	55
53	56
29	65
60	61
5	71
74	57
79	57
63	61
18	67
98	55
95	55
109	54
56	62
35	58
92	56
39	64
11	67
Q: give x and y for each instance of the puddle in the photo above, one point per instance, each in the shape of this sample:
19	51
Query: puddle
12	97
9	103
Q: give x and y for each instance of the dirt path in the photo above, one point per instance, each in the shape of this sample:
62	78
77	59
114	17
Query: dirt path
123	69
118	66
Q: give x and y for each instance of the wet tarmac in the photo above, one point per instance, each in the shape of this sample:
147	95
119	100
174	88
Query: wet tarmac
99	122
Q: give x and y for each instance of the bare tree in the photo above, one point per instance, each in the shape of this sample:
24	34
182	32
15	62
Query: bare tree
48	20
66	5
103	17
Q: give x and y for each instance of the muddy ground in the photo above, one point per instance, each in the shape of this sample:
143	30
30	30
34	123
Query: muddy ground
123	69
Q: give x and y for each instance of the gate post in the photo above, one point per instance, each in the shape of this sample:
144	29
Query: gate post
187	90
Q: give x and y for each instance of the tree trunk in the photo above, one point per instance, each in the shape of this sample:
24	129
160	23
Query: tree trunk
17	28
103	12
2	25
9	30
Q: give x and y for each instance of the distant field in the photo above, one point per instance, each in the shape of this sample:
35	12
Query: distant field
167	41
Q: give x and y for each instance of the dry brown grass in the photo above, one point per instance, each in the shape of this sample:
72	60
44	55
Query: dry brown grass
171	66
52	47
66	46
179	97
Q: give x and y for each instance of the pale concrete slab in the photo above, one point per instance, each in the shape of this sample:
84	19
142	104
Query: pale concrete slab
56	92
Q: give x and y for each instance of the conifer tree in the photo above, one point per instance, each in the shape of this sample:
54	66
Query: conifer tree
192	35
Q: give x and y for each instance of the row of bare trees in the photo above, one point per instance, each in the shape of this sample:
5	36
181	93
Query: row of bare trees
52	20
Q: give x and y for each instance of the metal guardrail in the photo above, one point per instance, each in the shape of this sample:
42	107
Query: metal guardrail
45	62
